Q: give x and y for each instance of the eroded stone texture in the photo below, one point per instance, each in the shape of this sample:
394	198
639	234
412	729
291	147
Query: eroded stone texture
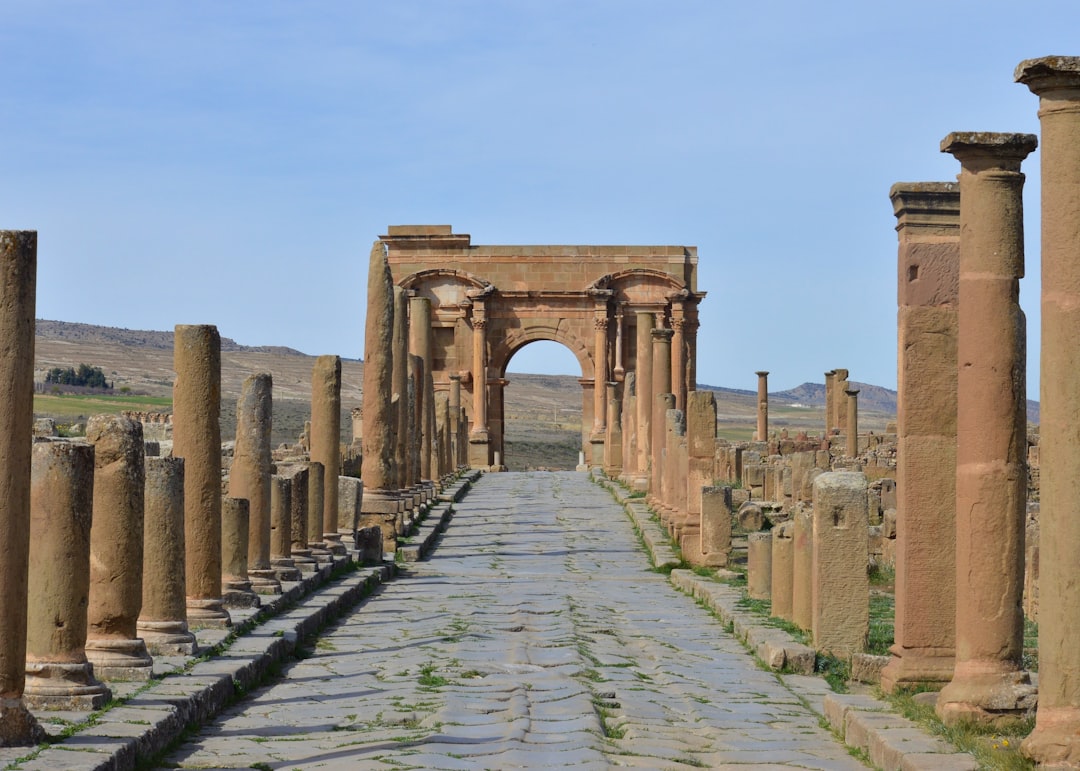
759	565
613	437
830	401
399	386
661	384
197	439
840	385
236	590
989	684
249	475
299	476
852	423
762	434
928	228
782	584
802	611
116	550
645	396
162	621
715	524
840	590
326	443
281	494
58	675
350	495
18	280
1056	738
420	345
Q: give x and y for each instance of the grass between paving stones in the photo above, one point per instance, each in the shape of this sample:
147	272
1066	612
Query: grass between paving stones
994	749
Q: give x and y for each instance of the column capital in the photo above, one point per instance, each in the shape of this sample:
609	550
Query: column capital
600	324
978	150
922	204
851	391
762	373
660	334
1049	73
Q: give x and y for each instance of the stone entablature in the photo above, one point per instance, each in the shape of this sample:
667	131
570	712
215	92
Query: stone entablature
489	301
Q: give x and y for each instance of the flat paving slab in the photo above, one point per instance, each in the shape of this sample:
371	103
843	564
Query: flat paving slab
536	636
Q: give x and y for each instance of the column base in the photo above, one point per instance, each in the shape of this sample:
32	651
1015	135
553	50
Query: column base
994	699
334	544
167	637
238	593
18	727
120	659
285	569
381	508
917	667
209	612
479	451
303	560
55	686
264	581
1055	742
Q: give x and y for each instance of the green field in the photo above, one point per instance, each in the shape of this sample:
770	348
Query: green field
63	407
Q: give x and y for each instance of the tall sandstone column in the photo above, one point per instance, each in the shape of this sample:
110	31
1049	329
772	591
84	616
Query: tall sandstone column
113	645
762	406
163	618
380	504
989	684
58	675
928	229
197	439
454	426
479	446
840	385
249	475
661	384
852	422
600	368
236	588
400	386
420	345
830	401
18	281
326	443
645	323
1056	738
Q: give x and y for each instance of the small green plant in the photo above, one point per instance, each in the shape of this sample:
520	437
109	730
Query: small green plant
429	680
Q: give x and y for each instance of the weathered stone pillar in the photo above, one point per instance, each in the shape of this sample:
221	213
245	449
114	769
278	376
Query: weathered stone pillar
678	354
162	621
716	525
350	496
420	345
455	422
802	611
613	438
400	389
928	227
18	279
628	424
236	589
197	439
445	462
661	384
600	364
989	684
644	368
840	385
759	565
619	371
326	444
281	494
249	475
830	401
1056	738
852	423
299	476
479	456
317	489
840	591
116	550
58	674
380	504
762	406
782	584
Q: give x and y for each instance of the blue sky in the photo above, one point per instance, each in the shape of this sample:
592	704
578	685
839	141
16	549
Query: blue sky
231	162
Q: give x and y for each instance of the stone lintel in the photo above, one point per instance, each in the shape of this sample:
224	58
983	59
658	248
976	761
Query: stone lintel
1048	73
934	204
989	145
426	237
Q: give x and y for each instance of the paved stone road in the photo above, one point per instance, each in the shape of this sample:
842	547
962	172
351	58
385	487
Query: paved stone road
535	637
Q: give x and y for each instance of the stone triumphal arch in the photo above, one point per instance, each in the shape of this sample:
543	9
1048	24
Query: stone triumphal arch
489	301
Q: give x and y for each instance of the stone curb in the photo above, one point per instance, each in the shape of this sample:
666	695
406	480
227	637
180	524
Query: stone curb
427	530
891	741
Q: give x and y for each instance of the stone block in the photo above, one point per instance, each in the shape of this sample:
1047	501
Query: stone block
840	592
759	565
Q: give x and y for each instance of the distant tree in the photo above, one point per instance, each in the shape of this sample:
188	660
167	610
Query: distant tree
87	376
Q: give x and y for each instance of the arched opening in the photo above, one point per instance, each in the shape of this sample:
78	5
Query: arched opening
541	407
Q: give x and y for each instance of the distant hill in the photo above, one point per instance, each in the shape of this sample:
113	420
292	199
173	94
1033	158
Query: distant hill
89	334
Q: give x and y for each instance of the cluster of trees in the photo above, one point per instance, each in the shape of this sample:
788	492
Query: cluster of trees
85	375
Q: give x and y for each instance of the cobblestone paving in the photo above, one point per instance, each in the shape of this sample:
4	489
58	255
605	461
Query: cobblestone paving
535	637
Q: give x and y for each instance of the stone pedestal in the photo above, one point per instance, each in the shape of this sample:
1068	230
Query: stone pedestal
783	570
1056	738
116	550
928	227
759	565
197	439
58	675
989	684
236	588
840	590
802	612
715	525
350	496
162	621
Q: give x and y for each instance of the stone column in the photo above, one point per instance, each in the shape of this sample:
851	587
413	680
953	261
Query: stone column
678	354
989	684
782	584
478	438
928	226
299	476
350	496
613	439
716	525
116	550
326	443
1056	738
18	277
762	406
661	384
235	525
197	439
316	540
380	504
400	388
420	345
802	612
644	368
619	372
759	565
840	591
455	421
58	675
830	401
840	385
249	475
600	366
852	422
281	494
162	621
